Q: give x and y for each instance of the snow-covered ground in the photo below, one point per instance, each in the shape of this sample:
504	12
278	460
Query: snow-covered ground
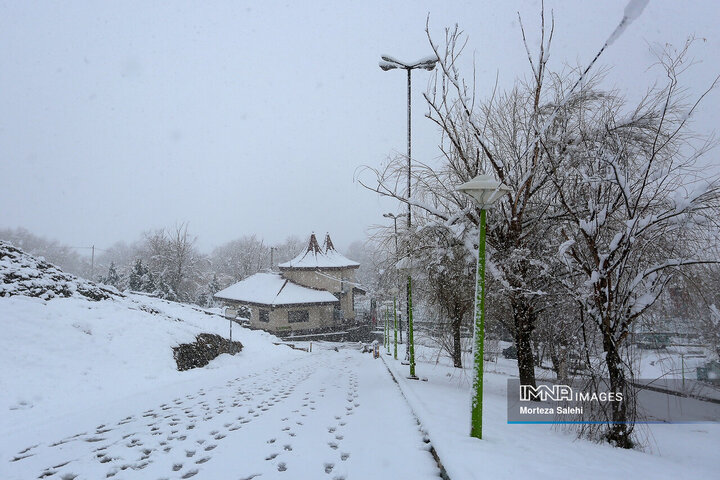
442	403
90	390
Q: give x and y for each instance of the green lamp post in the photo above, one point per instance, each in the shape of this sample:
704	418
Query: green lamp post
394	292
387	329
406	266
485	190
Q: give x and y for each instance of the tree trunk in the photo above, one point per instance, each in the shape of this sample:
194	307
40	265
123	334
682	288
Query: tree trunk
524	325
619	433
560	364
457	350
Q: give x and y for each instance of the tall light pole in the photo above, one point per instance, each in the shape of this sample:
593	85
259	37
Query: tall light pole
397	258
389	63
394	292
485	190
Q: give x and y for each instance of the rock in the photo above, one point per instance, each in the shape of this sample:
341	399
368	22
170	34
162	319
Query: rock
206	347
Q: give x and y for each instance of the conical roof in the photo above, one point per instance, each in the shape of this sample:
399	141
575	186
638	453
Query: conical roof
314	257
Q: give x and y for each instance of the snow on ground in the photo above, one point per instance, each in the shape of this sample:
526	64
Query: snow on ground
90	390
67	354
442	403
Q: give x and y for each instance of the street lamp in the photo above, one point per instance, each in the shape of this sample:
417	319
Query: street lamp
397	257
389	63
394	292
386	330
485	190
406	265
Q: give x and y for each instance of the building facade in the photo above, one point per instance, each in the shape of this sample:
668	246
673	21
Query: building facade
314	291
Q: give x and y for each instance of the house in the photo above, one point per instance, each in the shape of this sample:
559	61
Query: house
314	291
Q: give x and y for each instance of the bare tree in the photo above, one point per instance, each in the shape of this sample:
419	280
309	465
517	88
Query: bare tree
175	262
446	283
497	136
238	259
289	249
635	210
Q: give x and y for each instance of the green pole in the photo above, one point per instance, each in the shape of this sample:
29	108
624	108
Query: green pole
385	328
395	325
477	395
385	339
682	360
411	341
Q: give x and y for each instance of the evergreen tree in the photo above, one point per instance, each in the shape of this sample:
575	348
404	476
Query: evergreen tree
147	281
135	281
212	289
112	278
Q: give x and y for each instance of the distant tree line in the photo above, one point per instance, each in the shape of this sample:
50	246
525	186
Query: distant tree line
164	263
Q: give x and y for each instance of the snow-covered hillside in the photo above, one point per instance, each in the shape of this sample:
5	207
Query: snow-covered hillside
68	344
23	274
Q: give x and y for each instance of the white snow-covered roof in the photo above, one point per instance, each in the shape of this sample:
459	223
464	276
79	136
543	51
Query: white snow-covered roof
273	290
315	256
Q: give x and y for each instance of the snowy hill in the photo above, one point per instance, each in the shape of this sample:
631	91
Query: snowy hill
23	274
69	344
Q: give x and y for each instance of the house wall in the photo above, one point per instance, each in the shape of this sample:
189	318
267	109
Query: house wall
322	281
319	316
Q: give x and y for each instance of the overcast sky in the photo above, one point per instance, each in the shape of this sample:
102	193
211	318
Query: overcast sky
252	117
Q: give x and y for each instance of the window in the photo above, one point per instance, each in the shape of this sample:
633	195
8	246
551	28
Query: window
264	316
296	316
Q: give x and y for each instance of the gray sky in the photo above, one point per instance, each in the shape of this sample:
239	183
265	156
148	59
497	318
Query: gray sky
252	117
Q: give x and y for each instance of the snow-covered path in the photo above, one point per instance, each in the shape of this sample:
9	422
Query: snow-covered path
335	415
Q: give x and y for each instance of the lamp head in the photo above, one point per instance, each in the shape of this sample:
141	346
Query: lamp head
484	189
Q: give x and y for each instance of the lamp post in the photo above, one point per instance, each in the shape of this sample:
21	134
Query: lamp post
485	190
387	350
394	292
406	265
397	257
389	63
387	330
230	318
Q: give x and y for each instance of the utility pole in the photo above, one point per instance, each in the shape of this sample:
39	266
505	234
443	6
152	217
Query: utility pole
92	263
